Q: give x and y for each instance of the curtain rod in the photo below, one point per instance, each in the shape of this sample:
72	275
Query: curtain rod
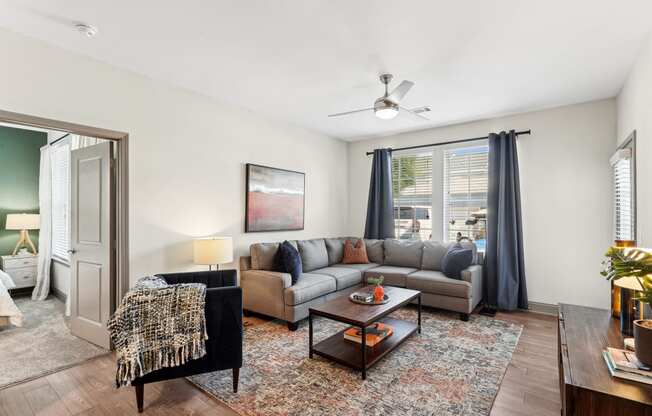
59	139
518	133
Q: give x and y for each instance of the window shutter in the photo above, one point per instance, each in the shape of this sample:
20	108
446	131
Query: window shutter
412	191
465	193
624	220
60	200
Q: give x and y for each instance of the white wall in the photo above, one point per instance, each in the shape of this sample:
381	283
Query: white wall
565	193
187	151
635	113
60	275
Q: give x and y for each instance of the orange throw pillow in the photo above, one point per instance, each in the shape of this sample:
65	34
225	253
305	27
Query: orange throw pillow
355	255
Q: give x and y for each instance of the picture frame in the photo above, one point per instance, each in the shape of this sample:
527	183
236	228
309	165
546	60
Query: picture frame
275	199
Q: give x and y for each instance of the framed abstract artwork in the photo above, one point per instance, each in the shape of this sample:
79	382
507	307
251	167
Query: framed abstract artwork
275	199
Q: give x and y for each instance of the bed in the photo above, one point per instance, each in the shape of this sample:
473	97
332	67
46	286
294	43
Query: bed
9	312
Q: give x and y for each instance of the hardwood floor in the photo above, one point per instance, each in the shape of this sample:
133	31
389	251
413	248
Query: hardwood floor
531	383
529	388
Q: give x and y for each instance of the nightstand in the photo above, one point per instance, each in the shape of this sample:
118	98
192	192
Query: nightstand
22	269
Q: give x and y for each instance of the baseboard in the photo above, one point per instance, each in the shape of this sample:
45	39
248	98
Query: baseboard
544	308
59	294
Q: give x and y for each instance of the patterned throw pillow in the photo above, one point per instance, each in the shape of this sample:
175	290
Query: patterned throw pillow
355	255
291	260
456	259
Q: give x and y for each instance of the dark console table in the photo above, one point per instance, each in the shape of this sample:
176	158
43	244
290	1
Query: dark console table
584	381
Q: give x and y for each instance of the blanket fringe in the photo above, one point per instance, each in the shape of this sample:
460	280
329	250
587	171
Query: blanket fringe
148	361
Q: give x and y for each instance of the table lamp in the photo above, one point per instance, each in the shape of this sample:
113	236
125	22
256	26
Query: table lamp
23	223
213	251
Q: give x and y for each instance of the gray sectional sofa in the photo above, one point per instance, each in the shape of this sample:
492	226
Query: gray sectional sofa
411	264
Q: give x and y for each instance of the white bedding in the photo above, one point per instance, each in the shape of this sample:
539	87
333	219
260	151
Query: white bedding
8	309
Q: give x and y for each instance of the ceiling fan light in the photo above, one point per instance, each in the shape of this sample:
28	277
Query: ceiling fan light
386	113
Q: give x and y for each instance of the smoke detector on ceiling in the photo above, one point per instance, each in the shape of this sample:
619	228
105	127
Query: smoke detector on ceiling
85	29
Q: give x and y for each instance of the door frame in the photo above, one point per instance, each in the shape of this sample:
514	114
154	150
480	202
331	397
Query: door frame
121	278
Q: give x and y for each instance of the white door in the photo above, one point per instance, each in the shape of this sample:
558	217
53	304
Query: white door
91	242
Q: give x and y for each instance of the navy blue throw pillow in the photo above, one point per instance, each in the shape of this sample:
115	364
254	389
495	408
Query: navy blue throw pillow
456	259
291	260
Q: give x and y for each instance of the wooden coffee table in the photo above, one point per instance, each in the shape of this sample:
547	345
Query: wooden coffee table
358	356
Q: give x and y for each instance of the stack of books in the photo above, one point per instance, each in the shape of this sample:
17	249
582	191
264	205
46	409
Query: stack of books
376	333
624	364
363	296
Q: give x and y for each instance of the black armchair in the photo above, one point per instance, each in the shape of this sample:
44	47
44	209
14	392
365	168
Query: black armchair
223	324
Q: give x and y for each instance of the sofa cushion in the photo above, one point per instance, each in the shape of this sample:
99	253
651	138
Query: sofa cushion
394	276
375	250
343	277
361	267
403	253
433	252
308	287
456	259
429	281
263	256
335	249
291	260
313	254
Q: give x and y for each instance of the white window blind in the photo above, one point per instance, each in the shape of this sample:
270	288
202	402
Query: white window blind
412	191
624	221
60	200
465	193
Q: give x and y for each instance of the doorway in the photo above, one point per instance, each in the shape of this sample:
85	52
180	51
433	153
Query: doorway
96	253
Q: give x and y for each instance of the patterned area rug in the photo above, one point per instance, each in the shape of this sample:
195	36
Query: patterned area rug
451	368
43	345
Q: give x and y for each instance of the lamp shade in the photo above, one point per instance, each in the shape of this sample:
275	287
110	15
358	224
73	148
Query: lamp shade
23	222
213	250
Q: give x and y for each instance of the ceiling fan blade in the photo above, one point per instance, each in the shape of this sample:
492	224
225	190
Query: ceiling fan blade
350	112
400	91
414	113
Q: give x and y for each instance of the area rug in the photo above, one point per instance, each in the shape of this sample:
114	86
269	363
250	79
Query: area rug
451	368
43	345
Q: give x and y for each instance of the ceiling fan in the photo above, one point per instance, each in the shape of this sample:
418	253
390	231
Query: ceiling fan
387	107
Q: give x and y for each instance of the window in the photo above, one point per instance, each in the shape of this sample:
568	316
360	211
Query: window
465	180
622	163
412	190
60	159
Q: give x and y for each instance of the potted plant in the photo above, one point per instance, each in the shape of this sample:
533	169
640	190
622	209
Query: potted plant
634	263
379	291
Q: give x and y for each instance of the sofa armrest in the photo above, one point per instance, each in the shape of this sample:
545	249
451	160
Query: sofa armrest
245	263
474	275
264	291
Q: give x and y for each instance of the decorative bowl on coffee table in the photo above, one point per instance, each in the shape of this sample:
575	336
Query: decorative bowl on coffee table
373	302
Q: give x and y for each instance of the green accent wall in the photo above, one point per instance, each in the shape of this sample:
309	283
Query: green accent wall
20	157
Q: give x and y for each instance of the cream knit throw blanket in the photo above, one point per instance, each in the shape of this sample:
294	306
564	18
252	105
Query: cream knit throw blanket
156	326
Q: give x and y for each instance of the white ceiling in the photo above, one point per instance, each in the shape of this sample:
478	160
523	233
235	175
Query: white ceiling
299	60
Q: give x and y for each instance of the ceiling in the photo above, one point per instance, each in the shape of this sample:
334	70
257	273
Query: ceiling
300	60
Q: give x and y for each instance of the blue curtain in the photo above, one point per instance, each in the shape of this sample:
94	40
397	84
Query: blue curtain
380	207
505	277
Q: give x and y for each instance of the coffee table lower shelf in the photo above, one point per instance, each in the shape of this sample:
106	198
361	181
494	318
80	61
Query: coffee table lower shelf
348	353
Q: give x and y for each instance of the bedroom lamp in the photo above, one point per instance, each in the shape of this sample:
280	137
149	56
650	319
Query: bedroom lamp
213	251
23	223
